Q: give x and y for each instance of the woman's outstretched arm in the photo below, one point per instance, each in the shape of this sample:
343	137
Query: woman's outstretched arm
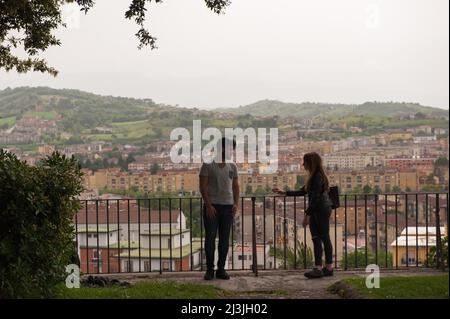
300	192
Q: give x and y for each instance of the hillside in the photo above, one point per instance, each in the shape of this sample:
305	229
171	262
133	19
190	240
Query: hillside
323	110
87	116
80	111
81	117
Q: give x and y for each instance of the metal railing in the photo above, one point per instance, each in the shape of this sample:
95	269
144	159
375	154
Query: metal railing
396	230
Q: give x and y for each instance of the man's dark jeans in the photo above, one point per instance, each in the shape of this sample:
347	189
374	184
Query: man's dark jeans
221	222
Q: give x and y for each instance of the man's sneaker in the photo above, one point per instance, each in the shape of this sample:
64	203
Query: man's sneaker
327	272
209	275
222	274
315	273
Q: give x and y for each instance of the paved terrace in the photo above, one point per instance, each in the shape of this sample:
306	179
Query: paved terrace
271	284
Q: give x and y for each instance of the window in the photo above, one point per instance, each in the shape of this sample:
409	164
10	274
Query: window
96	254
165	265
410	259
127	266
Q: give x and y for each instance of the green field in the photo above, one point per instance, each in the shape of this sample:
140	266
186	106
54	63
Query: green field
43	115
132	130
10	121
130	124
419	287
438	123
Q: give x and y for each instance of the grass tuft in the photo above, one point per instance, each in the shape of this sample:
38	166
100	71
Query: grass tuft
416	287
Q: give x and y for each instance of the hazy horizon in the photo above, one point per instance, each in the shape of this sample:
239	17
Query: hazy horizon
225	107
323	51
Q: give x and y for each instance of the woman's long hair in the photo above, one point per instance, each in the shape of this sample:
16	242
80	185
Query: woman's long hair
314	162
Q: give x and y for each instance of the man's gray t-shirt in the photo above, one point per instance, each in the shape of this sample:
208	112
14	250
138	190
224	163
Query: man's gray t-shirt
220	182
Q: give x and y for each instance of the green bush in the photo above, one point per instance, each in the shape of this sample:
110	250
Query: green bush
304	257
358	259
432	257
37	205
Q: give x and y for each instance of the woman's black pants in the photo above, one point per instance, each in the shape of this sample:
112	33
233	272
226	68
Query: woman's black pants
319	225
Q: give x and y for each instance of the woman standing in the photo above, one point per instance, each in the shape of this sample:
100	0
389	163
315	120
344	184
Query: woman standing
317	215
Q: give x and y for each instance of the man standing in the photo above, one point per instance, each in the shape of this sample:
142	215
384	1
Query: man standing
219	187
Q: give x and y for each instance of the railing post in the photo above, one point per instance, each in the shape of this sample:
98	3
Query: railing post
254	252
438	235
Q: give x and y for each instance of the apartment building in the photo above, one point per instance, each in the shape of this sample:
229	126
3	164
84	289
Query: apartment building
425	164
386	179
163	181
257	181
425	139
352	161
124	237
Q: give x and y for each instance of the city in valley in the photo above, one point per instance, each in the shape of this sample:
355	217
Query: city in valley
125	154
224	150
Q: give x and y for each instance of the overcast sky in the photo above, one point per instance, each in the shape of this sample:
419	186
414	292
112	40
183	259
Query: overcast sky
347	51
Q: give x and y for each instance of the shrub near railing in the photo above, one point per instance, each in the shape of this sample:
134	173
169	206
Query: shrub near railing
432	255
37	205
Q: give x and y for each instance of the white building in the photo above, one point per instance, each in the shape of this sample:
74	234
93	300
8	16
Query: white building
166	251
353	161
242	256
424	139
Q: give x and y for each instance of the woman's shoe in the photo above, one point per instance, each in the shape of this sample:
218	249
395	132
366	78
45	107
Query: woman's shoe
222	274
315	273
209	275
327	273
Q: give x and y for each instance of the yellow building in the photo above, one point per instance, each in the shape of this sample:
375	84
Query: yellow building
412	249
163	181
266	181
46	149
88	179
408	180
321	147
399	136
348	180
101	179
117	180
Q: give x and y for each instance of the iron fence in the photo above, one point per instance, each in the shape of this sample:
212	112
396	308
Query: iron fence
395	230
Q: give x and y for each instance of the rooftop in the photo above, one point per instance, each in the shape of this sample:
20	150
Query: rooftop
174	253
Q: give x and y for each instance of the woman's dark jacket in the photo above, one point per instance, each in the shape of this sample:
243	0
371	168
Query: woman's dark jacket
318	198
